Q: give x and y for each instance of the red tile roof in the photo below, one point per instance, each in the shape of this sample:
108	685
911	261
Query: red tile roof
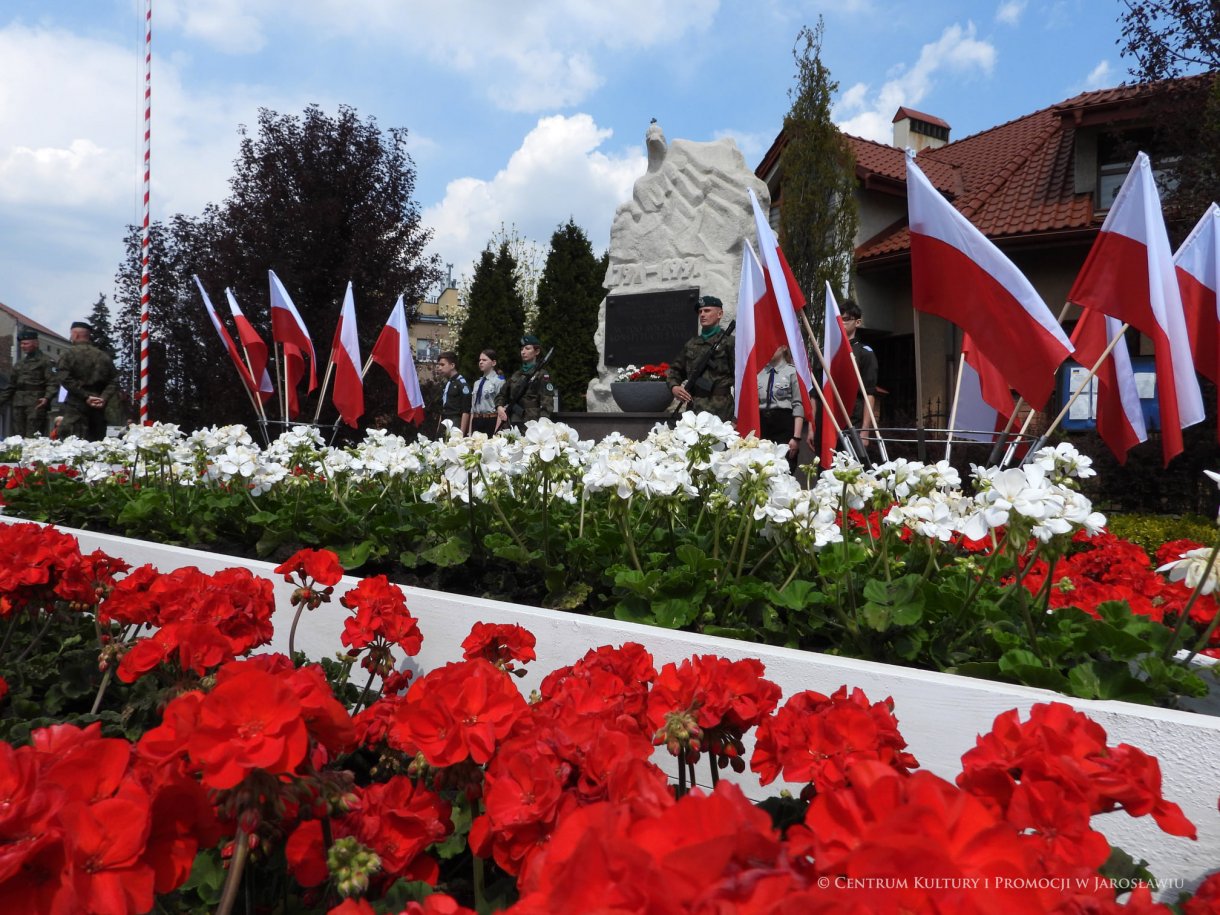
1015	180
29	322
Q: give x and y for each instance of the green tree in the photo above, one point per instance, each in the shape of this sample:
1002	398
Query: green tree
569	295
818	211
495	312
1169	39
321	200
103	332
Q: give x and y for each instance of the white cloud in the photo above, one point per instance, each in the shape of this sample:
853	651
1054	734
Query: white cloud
752	145
526	56
559	171
71	150
1009	12
1100	76
867	113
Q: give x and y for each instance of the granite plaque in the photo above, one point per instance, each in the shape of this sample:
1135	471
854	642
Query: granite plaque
649	327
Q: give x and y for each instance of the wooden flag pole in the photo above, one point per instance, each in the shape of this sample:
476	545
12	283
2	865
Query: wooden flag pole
283	398
957	391
367	364
817	350
330	367
1093	371
868	404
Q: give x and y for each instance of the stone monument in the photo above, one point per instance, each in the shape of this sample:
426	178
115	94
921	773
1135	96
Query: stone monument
680	236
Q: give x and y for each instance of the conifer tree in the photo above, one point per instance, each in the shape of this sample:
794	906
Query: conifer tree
103	331
569	295
818	210
495	312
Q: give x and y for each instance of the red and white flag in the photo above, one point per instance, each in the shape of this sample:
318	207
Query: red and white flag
288	330
226	340
1120	418
392	352
785	296
984	399
754	344
252	343
1198	269
348	393
1129	275
959	275
842	377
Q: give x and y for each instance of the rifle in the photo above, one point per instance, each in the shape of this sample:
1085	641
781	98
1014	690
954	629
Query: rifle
529	379
696	373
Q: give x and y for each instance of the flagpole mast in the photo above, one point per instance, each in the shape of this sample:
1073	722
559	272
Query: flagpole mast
918	385
144	232
284	385
868	403
957	390
330	366
817	351
1012	417
1105	354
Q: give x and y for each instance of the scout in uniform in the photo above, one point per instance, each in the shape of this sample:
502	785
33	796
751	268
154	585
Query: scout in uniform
483	401
529	392
781	413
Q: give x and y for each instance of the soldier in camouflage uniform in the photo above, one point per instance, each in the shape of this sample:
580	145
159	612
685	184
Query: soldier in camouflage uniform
713	391
31	387
528	393
88	375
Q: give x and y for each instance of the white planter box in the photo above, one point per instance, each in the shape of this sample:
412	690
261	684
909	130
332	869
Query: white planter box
940	715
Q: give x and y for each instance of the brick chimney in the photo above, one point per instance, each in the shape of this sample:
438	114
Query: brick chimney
919	131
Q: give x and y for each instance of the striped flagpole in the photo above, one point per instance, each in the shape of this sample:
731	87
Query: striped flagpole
144	241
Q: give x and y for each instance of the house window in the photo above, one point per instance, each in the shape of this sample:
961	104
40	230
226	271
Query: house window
1116	153
427	350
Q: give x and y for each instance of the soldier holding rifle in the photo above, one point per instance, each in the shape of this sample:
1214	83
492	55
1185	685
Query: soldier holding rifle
709	390
529	392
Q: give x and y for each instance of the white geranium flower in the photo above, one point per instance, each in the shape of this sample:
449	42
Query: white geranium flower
1192	568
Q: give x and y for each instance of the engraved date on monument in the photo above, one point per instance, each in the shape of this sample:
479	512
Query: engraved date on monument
669	270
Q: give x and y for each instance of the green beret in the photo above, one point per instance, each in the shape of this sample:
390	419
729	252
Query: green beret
28	335
709	301
86	325
530	340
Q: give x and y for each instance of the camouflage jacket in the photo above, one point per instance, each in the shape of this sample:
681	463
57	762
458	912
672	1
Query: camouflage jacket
84	371
713	392
526	398
32	378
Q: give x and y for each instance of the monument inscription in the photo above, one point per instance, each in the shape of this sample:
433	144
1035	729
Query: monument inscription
648	327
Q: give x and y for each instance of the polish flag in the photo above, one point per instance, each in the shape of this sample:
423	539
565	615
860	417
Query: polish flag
1198	266
225	339
392	352
348	393
838	356
759	334
788	299
288	329
1120	418
984	399
959	275
252	343
1129	275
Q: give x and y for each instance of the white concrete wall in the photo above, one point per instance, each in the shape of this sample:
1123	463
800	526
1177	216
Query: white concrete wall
940	715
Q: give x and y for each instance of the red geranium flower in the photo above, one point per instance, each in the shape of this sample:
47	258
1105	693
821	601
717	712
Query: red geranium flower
816	739
499	643
458	712
250	722
381	621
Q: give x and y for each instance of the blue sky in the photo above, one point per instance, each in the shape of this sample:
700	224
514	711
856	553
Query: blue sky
521	112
